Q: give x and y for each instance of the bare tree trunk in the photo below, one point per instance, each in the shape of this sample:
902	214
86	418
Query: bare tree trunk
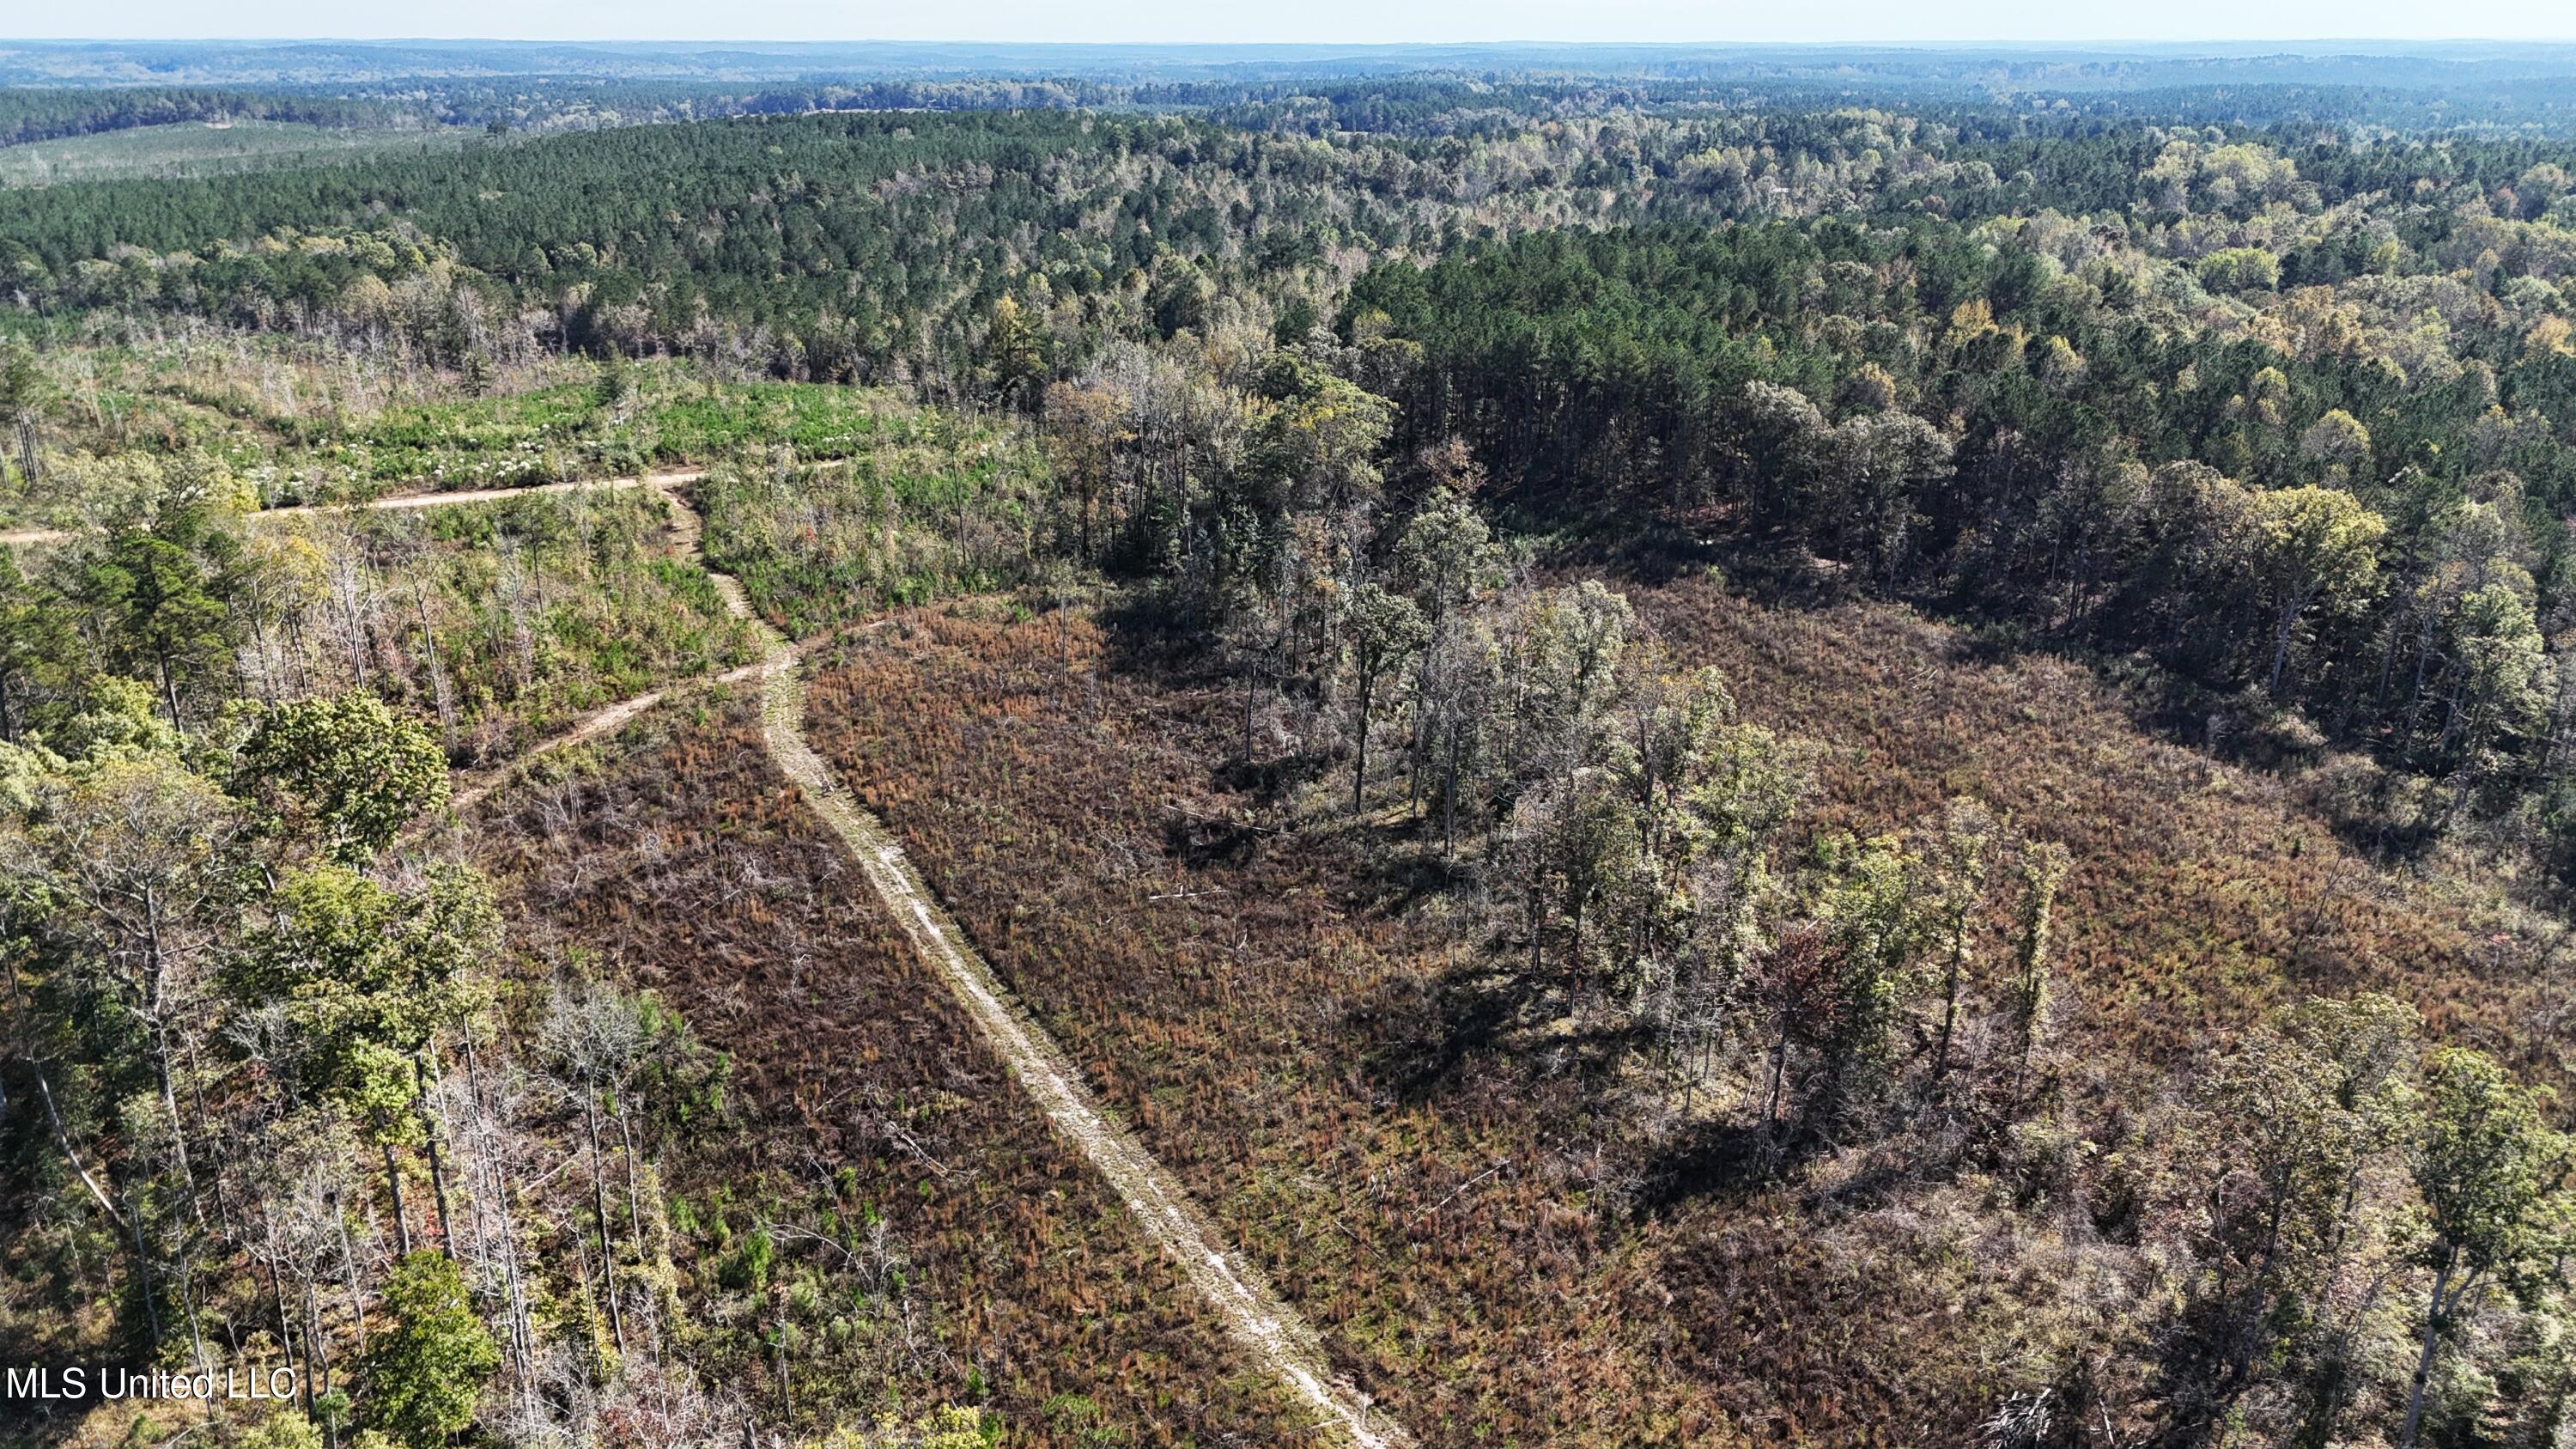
349	1271
1949	1002
393	1188
429	1142
1359	771
1449	798
635	1212
599	1209
143	1266
2281	650
634	1207
45	1092
277	1300
522	1332
188	1305
152	1011
2432	1341
1779	1074
170	693
440	693
319	1345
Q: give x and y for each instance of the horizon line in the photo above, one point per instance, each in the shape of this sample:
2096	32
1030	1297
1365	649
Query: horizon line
2105	42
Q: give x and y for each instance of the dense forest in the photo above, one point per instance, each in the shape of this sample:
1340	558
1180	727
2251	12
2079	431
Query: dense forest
1710	752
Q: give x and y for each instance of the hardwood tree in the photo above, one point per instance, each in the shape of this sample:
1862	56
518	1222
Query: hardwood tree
2492	1174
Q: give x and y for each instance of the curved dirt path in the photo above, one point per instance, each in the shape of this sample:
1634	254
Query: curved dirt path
663	478
1272	1332
471	788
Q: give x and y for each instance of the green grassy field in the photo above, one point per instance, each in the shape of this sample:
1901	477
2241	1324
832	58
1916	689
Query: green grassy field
197	148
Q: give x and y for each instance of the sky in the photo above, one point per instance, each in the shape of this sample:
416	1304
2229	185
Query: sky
1330	21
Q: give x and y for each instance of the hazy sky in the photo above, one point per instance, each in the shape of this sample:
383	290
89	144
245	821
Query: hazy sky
1861	21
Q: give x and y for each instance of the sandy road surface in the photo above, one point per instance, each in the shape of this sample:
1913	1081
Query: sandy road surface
667	478
591	726
1267	1328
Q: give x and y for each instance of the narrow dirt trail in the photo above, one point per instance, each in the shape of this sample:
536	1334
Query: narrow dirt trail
664	478
1273	1333
471	788
404	502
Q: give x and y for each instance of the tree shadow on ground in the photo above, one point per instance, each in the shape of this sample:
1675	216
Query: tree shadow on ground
1479	1022
1726	1162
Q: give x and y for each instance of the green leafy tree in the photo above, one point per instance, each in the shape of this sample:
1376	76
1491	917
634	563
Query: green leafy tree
2292	1120
1562	666
1014	349
162	611
1954	861
1090	426
2337	442
1876	469
2043	868
354	961
1578	836
1385	628
365	979
425	1373
1874	924
2503	672
1314	450
2240	269
38	647
2311	544
2492	1174
1447	555
1710	794
142	852
345	773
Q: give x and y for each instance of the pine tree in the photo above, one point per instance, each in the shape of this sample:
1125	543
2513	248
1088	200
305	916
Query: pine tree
426	1373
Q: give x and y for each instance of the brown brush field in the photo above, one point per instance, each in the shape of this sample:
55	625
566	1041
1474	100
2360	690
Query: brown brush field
679	860
1489	1242
2202	894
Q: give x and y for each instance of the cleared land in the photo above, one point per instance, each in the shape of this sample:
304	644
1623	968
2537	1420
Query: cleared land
677	857
1314	1035
198	148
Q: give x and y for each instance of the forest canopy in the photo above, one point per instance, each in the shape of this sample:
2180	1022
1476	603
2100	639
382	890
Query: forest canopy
1713	746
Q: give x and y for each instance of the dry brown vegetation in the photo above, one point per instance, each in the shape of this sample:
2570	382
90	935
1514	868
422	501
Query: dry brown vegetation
1264	1022
2201	894
1465	1204
687	866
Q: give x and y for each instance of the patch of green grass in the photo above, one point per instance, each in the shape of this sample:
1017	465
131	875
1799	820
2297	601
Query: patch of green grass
936	508
579	430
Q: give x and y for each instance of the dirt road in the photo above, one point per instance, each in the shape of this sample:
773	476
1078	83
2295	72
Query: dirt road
666	478
599	722
1268	1329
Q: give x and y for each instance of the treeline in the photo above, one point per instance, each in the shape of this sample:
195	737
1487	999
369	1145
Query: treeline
44	115
873	246
2313	1224
2354	524
557	103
